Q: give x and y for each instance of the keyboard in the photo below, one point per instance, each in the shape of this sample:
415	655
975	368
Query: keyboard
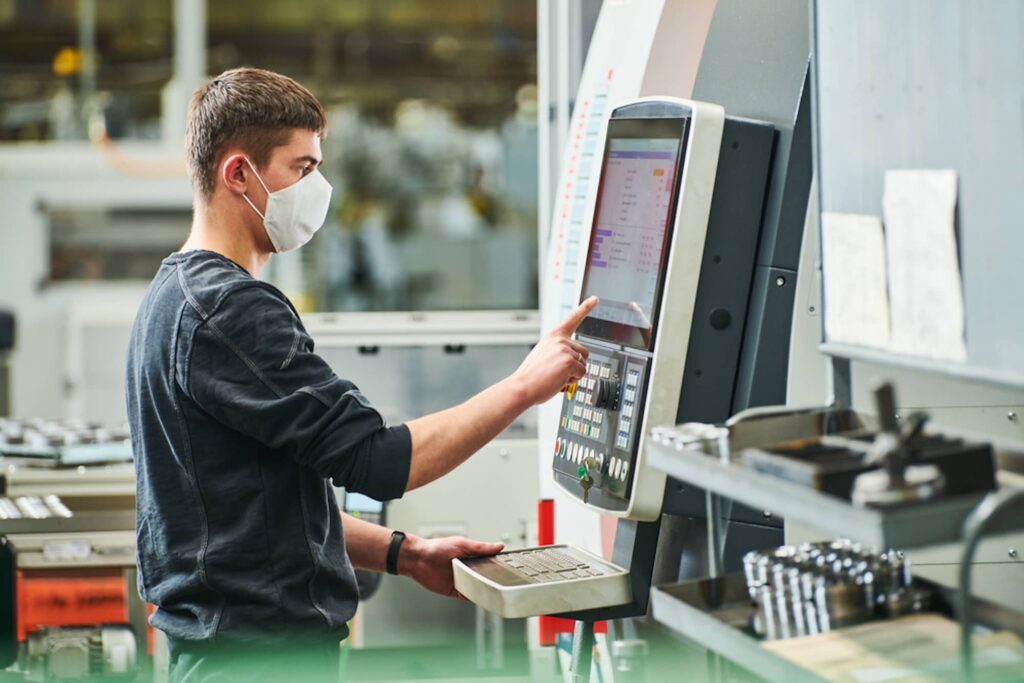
543	565
546	580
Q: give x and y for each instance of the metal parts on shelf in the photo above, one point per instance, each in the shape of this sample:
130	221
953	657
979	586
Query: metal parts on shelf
836	451
817	587
64	442
898	482
801	464
33	507
707	438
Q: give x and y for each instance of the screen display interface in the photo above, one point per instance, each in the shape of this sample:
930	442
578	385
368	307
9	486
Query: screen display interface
629	239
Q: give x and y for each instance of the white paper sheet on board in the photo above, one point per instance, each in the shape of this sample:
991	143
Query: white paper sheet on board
925	291
856	293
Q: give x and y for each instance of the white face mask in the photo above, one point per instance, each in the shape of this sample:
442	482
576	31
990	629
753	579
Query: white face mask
295	213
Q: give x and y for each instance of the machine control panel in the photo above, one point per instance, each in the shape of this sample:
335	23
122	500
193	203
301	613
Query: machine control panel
600	418
643	261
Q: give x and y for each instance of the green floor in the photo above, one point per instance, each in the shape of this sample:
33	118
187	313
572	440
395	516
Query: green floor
668	659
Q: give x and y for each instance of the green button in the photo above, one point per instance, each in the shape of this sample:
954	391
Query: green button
581	471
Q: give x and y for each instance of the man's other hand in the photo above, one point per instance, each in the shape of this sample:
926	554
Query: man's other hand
556	361
428	561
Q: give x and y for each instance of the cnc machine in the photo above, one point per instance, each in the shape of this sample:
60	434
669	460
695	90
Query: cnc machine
675	228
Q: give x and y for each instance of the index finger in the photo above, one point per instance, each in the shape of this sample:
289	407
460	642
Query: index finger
635	307
569	325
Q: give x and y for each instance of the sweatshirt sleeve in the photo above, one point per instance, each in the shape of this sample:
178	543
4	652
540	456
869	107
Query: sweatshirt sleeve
251	366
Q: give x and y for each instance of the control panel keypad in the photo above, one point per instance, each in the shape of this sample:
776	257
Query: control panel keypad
600	416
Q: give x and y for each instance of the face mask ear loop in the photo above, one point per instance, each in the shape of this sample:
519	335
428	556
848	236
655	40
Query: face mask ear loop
265	189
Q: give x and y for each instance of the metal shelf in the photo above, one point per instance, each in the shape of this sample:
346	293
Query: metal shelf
97	521
908	527
715	613
951	369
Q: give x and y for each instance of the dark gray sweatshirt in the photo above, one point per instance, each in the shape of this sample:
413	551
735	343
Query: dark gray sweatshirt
238	429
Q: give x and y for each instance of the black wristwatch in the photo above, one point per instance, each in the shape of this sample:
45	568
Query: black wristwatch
396	543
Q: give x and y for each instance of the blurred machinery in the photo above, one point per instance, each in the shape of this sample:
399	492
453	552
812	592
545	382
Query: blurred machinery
411	364
408	365
69	607
429	214
65	443
6	345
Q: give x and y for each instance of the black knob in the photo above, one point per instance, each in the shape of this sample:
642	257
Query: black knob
720	318
607	394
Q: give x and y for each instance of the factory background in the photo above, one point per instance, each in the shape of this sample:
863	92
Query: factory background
450	127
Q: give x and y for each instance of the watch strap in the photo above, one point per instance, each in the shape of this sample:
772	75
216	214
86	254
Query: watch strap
396	543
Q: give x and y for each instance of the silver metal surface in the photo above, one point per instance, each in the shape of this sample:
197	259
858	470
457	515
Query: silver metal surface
98	520
57	506
716	630
79	482
74	550
1002	378
812	588
992	514
878	488
910	527
490	640
582	651
775	424
429	328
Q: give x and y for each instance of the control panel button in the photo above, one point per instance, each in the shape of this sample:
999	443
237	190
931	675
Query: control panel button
607	394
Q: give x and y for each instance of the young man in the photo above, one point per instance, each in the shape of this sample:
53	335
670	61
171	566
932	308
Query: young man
239	428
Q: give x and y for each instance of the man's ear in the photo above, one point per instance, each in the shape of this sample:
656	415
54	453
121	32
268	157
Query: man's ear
233	173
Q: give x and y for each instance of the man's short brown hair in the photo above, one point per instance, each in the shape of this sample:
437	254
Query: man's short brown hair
254	109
